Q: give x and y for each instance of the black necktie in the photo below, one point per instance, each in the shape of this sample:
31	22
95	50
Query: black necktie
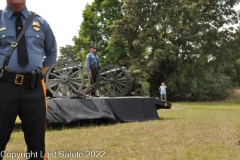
21	47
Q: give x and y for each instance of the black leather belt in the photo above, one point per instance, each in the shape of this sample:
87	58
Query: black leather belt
19	79
94	67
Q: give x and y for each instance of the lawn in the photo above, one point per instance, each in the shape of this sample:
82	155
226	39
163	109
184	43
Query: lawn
198	131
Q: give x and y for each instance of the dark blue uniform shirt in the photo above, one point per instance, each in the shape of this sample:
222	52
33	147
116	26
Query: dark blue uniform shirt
92	60
41	42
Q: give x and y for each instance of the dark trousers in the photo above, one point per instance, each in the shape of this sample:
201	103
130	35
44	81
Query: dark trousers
94	75
29	105
94	78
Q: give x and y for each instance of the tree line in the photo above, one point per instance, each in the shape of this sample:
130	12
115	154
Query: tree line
191	45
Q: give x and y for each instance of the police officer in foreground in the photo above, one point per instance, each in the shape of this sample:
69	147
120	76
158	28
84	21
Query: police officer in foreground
21	79
92	65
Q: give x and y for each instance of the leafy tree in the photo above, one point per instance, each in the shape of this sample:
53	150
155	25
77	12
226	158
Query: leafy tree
68	53
178	42
236	48
95	27
187	44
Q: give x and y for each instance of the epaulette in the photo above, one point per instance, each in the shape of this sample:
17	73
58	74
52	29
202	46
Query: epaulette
35	13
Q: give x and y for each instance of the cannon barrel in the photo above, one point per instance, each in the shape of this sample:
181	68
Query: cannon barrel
117	70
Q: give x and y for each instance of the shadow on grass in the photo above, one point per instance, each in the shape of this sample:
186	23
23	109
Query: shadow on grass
77	124
82	123
165	119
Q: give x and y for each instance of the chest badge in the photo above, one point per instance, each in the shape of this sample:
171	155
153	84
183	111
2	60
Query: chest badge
36	26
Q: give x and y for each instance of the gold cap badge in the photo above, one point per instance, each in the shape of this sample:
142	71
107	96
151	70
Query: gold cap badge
36	26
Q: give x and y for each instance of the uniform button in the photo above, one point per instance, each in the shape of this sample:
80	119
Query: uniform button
37	35
3	36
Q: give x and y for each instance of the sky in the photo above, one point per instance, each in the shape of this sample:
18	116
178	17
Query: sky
64	17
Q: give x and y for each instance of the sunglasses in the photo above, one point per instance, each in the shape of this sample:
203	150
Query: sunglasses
93	48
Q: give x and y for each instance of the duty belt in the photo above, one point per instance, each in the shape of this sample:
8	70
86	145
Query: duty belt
19	79
92	67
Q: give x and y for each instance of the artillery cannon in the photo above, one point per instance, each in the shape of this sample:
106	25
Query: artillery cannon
67	79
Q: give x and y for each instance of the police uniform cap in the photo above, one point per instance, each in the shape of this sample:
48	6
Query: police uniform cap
92	45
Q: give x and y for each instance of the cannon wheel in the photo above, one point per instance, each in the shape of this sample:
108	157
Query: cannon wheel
66	79
113	81
129	86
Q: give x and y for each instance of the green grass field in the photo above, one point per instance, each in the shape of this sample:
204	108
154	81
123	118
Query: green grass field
188	131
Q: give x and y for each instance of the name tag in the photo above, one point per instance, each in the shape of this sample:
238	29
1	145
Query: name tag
2	29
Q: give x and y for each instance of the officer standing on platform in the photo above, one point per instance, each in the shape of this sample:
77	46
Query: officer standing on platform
93	65
21	79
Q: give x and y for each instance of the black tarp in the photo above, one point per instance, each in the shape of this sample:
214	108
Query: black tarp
125	109
133	109
71	110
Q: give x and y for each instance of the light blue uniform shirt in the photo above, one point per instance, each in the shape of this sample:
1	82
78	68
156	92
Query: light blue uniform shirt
92	60
41	44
